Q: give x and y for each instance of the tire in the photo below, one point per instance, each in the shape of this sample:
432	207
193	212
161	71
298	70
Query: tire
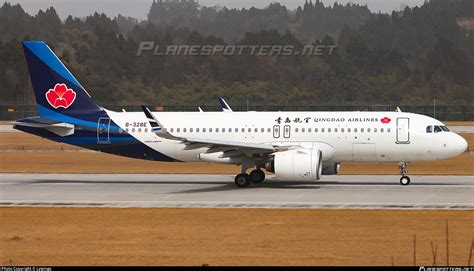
405	180
257	176
242	180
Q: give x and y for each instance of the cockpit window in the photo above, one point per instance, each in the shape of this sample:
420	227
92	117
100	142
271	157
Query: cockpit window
436	129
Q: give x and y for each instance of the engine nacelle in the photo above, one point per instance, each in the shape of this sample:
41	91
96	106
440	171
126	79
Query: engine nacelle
331	168
298	165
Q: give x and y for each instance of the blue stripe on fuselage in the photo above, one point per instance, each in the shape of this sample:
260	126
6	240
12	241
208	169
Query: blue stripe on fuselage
63	118
122	144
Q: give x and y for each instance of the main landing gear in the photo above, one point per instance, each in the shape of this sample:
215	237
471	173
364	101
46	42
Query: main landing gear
243	179
404	180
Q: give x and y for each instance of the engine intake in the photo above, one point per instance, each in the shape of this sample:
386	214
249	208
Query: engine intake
298	164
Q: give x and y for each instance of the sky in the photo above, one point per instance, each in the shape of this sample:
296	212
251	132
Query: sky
139	8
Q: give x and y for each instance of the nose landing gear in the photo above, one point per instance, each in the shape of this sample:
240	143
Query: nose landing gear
404	180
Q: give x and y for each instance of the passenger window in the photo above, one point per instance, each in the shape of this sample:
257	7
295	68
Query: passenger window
355	130
172	130
381	130
197	130
309	130
139	130
361	130
322	130
262	130
388	130
203	130
429	129
236	130
269	130
296	130
191	130
177	130
444	128
348	130
230	130
315	130
210	130
243	130
329	130
342	130
335	130
368	130
437	129
249	130
255	130
184	130
146	130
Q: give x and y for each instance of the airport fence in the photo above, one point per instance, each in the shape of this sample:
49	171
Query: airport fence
443	113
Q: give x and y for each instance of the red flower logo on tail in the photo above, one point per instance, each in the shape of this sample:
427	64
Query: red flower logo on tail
385	120
60	96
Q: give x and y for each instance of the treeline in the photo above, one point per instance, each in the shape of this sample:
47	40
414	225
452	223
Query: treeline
308	23
407	57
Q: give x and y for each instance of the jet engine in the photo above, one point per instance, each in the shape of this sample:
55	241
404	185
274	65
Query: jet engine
297	164
331	168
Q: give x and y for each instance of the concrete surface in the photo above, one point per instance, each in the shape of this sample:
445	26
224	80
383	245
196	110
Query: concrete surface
210	191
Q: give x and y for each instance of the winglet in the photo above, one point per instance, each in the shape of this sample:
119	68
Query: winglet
398	109
157	127
224	105
154	123
200	109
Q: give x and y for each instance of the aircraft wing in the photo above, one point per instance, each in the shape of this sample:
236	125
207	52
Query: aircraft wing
215	145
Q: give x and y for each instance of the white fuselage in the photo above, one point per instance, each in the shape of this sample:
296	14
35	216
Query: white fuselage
341	136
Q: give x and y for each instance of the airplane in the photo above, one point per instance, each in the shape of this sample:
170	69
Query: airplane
300	146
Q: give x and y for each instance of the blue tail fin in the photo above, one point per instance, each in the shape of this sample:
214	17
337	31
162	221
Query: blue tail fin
56	89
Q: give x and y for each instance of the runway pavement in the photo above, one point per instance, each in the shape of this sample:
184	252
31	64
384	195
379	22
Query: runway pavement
219	191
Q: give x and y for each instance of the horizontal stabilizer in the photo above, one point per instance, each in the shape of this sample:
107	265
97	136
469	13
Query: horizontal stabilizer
60	128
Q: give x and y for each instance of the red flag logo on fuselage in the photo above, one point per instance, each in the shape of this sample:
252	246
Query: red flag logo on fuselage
385	120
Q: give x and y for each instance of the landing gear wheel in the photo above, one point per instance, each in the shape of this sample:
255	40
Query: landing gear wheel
405	180
257	176
242	180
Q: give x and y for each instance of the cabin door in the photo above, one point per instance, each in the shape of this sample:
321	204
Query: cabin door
403	131
103	126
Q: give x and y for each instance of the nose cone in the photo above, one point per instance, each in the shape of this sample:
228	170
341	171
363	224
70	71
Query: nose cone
460	144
